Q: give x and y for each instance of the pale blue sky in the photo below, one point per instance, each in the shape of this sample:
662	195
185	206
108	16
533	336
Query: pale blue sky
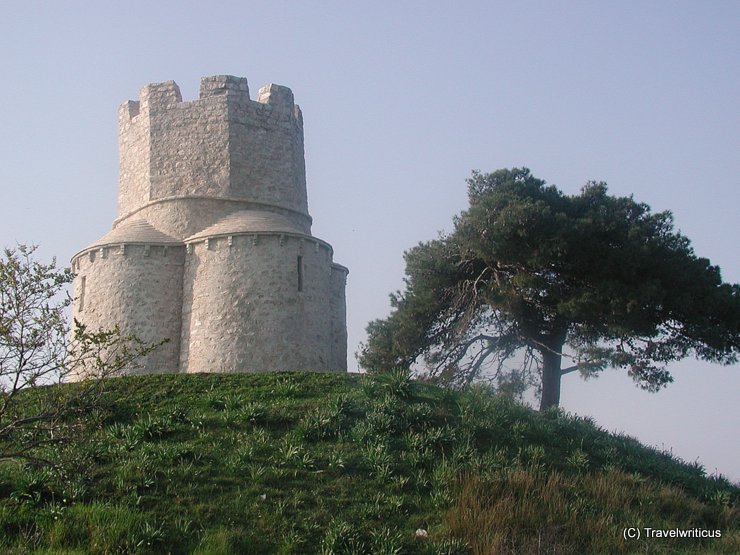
401	100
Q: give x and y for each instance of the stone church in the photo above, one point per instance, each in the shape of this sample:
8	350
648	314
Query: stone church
212	247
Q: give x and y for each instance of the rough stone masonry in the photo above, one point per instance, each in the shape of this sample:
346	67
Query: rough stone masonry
212	247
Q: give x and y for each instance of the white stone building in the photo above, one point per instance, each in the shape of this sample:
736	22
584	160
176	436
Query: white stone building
212	247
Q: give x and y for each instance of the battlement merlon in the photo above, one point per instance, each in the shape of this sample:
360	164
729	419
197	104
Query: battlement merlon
151	97
224	85
157	96
281	98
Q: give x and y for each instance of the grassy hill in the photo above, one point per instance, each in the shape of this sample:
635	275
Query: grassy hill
332	463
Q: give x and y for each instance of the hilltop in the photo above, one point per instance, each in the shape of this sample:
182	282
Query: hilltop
341	463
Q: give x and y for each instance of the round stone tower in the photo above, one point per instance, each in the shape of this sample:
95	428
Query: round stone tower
212	247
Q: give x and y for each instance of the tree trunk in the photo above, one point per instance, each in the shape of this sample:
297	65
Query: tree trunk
551	377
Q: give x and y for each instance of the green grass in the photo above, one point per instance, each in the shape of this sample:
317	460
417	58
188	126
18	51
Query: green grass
336	463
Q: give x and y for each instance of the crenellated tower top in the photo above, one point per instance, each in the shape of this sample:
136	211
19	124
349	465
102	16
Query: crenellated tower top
197	161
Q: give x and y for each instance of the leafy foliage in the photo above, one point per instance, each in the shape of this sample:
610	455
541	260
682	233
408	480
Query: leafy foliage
535	276
38	348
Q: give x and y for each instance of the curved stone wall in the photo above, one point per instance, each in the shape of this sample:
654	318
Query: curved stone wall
338	312
259	302
137	287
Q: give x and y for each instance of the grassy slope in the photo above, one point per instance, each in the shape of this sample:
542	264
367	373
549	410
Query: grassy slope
330	463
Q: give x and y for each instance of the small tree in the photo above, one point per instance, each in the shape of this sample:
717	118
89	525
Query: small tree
38	348
535	276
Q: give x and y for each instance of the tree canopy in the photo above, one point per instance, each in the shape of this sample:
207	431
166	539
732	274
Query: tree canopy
533	284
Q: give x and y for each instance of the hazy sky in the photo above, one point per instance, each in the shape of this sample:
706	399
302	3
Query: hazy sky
401	100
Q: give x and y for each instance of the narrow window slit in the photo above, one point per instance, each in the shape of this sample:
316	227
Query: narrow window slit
300	273
82	294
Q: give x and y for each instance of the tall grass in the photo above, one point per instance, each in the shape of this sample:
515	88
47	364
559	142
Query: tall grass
521	510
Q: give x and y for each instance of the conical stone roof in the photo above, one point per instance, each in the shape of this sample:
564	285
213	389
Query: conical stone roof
135	231
248	221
